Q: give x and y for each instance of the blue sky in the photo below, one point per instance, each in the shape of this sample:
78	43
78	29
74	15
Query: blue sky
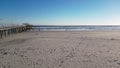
60	12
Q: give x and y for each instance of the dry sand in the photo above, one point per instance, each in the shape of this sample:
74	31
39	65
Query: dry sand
83	49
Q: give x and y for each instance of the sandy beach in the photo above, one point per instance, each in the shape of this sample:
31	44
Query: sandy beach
60	49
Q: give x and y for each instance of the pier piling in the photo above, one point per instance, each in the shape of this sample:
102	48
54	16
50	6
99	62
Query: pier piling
4	31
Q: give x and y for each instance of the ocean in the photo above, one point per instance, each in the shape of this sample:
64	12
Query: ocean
75	28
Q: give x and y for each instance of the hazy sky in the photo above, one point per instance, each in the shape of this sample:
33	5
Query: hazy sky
61	12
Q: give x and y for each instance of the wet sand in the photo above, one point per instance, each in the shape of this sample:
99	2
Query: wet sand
53	49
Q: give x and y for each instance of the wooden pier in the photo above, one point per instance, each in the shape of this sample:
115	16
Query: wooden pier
5	31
